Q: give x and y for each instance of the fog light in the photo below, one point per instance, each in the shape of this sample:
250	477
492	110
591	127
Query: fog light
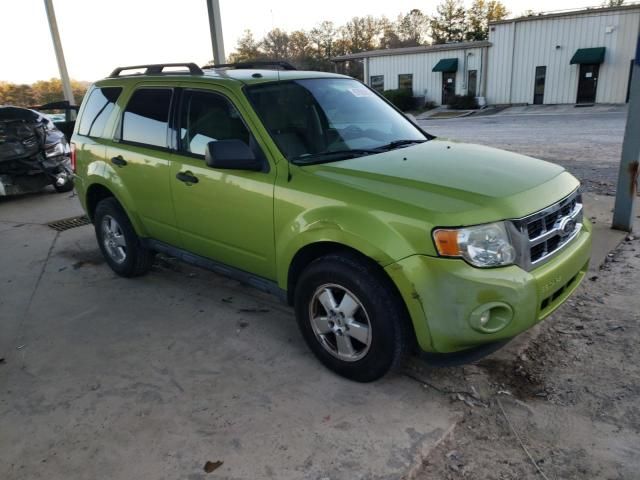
491	317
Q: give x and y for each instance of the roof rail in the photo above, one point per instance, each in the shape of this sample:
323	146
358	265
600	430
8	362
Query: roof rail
257	64
158	69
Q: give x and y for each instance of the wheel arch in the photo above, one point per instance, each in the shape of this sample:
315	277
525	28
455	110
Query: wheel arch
313	251
97	192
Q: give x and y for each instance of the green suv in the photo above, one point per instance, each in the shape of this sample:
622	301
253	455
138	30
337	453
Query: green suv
311	186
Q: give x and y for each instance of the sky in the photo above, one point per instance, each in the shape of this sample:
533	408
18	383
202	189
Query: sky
99	35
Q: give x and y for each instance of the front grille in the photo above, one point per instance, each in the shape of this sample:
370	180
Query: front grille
541	225
544	233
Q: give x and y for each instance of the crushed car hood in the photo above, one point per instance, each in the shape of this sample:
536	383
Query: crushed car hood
24	133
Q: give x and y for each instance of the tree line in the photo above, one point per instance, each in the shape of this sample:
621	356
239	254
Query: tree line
39	93
313	49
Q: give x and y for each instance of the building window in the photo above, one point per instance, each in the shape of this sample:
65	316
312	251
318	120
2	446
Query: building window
377	82
405	81
538	86
472	83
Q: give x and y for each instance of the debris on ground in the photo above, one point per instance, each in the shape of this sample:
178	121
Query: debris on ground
211	466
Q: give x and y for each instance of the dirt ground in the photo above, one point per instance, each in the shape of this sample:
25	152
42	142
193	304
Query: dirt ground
565	404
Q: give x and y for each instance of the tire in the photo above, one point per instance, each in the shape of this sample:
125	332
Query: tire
375	350
67	187
119	242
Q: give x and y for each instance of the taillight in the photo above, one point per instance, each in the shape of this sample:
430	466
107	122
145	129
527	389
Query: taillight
73	157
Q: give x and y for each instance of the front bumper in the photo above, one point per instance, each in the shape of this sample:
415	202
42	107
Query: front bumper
442	294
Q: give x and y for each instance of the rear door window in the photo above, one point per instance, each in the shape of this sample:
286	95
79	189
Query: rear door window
146	117
99	106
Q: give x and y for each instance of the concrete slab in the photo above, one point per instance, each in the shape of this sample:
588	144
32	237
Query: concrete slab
599	209
561	109
39	208
443	112
150	378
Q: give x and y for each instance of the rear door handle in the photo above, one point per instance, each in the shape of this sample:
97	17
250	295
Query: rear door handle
187	177
119	161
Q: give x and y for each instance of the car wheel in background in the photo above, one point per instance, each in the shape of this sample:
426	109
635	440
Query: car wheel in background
119	242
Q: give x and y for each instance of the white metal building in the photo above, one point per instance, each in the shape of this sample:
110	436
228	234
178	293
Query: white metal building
581	56
574	57
433	71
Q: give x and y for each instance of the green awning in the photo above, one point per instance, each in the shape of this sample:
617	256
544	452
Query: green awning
589	56
446	65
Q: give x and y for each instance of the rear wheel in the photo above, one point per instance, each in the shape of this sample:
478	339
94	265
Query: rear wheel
351	317
118	240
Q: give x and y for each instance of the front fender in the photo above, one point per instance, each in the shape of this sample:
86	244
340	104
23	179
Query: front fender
349	226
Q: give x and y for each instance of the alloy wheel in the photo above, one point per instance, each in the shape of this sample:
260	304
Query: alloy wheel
113	239
340	322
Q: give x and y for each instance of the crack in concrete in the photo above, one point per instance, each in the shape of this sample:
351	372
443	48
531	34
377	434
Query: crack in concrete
19	339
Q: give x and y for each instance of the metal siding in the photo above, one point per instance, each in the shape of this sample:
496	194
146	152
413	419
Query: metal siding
535	43
425	82
499	63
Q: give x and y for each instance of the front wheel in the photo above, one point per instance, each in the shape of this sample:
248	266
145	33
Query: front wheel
351	317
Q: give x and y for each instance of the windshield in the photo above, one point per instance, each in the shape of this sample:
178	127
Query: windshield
329	119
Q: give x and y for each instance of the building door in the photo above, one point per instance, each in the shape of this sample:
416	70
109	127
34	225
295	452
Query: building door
448	87
538	87
472	83
588	83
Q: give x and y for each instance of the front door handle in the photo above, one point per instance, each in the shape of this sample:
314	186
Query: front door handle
187	177
119	161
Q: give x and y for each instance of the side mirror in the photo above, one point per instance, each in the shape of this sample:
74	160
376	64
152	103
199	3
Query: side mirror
231	154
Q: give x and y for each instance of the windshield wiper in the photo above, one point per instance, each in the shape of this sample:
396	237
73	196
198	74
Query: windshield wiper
398	143
322	157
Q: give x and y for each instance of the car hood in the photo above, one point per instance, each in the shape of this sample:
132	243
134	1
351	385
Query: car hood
447	177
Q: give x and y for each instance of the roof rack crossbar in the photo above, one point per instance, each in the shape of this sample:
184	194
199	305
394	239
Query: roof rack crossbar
158	69
257	64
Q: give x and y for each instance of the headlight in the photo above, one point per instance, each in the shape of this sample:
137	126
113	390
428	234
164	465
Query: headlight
481	246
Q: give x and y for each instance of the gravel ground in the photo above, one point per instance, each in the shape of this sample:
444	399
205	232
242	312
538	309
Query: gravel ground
587	144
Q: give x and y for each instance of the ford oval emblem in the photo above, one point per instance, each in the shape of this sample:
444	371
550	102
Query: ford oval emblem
566	226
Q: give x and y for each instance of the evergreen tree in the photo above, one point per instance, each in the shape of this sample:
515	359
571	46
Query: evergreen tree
480	14
449	23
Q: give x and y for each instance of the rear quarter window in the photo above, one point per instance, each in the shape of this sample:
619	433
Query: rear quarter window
100	104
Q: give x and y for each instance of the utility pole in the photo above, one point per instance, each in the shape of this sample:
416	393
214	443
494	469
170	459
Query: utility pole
215	26
627	189
57	46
